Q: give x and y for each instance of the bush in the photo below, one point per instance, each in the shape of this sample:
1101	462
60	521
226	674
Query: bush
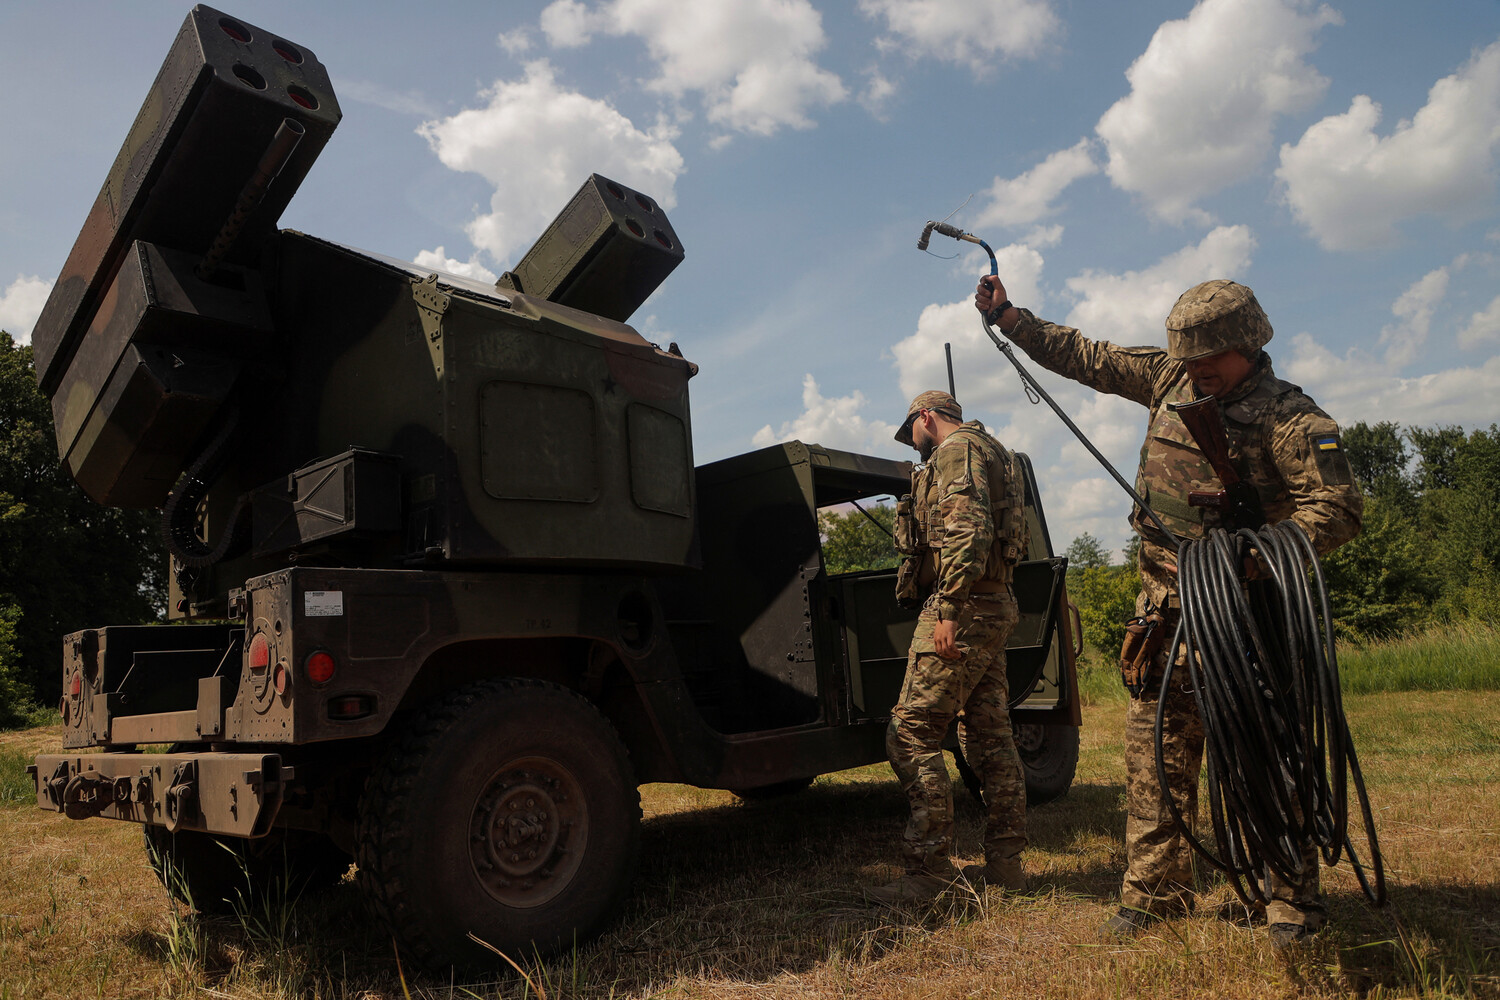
1105	596
16	708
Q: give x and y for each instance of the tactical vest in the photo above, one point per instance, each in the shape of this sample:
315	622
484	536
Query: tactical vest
1172	466
919	523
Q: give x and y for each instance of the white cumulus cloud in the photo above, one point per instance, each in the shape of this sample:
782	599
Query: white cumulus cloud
1033	195
20	305
1358	386
1483	325
968	32
1131	308
879	89
439	260
536	142
1369	385
1204	97
514	42
1351	187
835	422
752	62
568	24
1413	311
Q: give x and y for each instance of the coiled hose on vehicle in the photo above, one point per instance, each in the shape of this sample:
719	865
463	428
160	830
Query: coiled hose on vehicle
1263	671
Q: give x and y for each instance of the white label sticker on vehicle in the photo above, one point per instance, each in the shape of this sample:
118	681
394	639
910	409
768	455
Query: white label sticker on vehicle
323	603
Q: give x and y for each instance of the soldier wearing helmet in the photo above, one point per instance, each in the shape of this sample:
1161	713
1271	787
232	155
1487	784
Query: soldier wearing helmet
1281	443
962	530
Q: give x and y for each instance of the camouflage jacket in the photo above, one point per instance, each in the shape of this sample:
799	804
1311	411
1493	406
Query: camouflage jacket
1279	441
969	514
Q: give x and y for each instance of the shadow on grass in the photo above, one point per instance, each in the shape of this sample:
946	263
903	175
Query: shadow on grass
1437	937
747	893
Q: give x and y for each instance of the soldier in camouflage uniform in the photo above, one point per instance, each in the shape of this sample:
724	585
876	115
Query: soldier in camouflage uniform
1281	443
962	530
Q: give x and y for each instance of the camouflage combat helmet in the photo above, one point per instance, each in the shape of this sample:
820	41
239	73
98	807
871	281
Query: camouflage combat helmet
1215	316
932	399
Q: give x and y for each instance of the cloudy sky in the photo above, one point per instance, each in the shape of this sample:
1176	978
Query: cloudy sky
1339	158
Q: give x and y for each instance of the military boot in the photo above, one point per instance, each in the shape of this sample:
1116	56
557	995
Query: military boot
1127	922
1002	873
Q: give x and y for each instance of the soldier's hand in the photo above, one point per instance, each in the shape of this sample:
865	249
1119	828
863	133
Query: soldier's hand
945	639
989	294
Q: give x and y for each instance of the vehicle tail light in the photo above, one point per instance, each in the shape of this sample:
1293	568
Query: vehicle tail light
352	706
320	667
259	655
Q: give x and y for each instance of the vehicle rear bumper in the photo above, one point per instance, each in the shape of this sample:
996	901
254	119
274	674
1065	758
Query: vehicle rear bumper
233	794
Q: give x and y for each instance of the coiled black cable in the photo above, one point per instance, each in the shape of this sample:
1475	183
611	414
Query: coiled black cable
1263	672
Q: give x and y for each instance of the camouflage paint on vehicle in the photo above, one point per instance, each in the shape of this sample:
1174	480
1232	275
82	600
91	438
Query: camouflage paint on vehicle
405	505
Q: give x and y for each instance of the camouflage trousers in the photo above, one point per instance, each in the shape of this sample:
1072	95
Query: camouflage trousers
971	689
1159	862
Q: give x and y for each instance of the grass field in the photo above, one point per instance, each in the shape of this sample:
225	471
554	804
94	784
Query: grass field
1462	656
737	900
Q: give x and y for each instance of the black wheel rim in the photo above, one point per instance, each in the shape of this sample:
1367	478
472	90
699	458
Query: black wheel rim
528	832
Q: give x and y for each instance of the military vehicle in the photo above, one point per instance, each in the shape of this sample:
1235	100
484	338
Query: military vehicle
446	584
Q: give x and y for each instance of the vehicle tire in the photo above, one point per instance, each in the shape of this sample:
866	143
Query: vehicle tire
790	786
217	875
1049	754
507	810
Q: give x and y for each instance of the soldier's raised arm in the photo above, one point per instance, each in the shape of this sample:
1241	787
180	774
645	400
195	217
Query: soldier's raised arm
1131	372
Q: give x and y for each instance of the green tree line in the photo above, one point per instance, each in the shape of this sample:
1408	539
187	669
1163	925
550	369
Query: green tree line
1429	552
66	563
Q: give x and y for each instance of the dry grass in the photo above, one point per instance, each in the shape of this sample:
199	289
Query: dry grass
762	900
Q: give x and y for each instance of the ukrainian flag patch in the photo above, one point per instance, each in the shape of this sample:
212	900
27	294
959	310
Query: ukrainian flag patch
1326	442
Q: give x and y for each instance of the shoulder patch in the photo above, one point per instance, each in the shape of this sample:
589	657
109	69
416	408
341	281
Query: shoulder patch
1329	458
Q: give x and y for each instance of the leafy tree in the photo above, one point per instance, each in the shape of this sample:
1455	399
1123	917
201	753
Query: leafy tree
1086	552
852	543
1379	459
15	696
1105	596
65	562
1437	456
1381	583
1463	519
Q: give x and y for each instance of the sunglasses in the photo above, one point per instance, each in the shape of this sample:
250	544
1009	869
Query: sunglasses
906	426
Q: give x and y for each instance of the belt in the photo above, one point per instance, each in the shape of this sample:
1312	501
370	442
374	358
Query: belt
990	587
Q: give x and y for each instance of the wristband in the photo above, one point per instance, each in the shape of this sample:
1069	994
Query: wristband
993	316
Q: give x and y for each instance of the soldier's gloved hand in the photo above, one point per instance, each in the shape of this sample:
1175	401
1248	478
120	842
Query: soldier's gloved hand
945	639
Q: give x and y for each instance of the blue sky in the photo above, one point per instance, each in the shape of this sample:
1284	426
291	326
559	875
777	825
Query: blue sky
1339	158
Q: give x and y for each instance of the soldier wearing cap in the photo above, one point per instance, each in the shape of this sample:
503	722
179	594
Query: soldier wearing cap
1282	444
962	529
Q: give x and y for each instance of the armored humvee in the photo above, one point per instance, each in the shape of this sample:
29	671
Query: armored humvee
447	585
